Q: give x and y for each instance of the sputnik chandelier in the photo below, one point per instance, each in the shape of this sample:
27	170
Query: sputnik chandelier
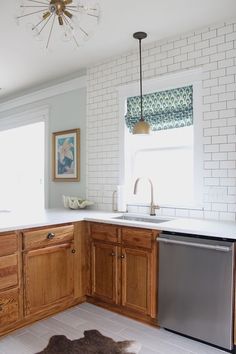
74	18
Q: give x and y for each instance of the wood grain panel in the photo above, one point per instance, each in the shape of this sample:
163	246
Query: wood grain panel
9	307
80	260
136	279
39	238
137	237
8	271
104	271
104	232
49	277
8	244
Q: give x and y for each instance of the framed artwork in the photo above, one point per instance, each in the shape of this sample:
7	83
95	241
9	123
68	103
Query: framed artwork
66	156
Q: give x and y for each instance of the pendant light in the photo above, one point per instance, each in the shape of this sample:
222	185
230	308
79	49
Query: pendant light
141	127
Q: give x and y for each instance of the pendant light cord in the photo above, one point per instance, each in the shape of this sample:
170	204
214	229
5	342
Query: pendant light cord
141	79
141	126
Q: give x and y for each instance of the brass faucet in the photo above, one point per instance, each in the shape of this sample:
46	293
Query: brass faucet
152	205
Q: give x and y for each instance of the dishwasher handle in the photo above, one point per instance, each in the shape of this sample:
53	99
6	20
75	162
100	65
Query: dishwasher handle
195	244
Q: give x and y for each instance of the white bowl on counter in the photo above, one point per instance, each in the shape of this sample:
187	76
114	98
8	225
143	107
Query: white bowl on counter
75	202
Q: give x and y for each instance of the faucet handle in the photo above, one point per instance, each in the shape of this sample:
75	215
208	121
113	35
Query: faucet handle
114	205
153	207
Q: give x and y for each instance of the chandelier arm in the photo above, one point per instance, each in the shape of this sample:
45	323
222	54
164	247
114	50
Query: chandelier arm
33	6
75	41
32	13
92	15
67	2
50	33
68	23
67	13
45	24
86	13
39	2
82	6
83	31
37	24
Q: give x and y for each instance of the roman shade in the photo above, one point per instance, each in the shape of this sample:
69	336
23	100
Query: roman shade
162	110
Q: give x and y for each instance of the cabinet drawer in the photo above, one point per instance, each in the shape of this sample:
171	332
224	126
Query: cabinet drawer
8	271
48	236
8	244
9	307
104	232
133	237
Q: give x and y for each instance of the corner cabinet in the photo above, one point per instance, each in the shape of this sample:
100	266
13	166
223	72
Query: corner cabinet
123	269
48	263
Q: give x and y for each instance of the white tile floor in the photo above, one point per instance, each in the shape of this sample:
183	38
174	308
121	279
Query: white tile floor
74	321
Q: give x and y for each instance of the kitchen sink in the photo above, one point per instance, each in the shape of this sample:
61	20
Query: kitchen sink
150	219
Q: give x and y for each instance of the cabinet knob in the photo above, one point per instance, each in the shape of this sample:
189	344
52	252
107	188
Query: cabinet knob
113	254
122	256
50	236
73	251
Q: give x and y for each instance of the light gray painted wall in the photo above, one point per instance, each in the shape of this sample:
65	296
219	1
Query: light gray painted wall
66	111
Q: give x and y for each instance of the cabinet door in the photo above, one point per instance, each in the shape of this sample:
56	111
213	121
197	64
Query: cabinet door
136	280
9	307
8	271
48	275
104	272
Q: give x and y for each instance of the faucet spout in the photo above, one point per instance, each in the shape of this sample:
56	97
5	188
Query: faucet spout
152	204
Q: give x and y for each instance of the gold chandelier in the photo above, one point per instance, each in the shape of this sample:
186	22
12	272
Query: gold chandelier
75	18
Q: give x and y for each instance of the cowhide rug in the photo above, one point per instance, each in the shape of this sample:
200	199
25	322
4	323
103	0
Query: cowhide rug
93	342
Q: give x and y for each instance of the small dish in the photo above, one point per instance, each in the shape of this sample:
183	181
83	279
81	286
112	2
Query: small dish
75	202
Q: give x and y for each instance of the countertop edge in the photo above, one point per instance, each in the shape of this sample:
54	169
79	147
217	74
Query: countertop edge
209	228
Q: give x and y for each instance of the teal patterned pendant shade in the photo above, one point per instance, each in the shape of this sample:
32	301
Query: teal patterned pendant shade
162	110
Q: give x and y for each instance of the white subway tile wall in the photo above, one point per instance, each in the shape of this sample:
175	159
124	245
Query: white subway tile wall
214	50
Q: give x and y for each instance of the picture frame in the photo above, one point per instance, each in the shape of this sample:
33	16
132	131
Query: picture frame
66	155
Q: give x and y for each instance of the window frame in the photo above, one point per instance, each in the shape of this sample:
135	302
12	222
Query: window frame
166	82
28	117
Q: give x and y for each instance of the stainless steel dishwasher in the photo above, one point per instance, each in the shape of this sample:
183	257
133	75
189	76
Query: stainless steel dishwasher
196	287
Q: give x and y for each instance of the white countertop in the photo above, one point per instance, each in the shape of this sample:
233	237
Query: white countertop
28	219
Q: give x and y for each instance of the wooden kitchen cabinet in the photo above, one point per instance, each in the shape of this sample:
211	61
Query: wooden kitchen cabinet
123	268
136	280
139	270
48	269
9	307
48	264
104	272
42	271
10	304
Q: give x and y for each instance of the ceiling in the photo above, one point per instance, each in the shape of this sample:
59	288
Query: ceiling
26	65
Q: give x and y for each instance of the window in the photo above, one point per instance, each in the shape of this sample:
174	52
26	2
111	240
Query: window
170	156
22	156
166	157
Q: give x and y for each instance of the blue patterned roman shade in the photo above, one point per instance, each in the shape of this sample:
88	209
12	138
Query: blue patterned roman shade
162	110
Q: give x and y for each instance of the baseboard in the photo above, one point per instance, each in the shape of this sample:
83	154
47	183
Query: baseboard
41	315
123	311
